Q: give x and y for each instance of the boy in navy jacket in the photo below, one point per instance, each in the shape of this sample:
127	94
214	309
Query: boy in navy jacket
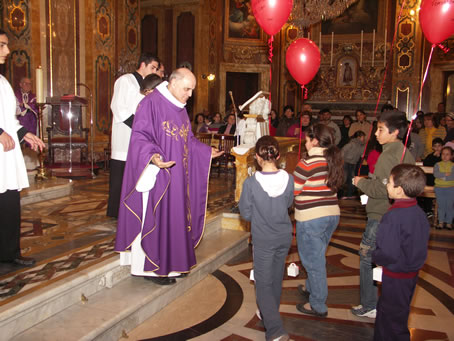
401	248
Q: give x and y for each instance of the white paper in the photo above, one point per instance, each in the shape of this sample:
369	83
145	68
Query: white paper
377	273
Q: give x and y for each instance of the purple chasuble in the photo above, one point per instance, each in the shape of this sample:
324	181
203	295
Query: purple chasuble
175	217
29	120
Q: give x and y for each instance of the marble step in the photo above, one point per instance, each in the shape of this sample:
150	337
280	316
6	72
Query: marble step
103	302
45	190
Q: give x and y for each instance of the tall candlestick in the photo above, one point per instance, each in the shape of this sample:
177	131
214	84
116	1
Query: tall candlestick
39	85
332	49
320	41
361	51
384	52
309	35
373	47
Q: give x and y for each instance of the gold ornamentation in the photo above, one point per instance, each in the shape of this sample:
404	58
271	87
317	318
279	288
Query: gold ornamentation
172	130
245	54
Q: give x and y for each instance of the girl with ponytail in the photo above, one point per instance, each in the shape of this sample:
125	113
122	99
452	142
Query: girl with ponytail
318	176
264	201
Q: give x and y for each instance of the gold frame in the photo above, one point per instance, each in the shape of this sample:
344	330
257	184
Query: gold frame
406	90
249	41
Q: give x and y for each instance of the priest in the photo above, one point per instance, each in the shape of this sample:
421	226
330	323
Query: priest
28	108
165	186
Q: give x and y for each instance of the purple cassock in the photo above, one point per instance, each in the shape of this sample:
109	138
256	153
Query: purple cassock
28	116
175	214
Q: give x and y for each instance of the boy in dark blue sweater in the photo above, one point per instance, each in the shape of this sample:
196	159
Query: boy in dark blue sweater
401	248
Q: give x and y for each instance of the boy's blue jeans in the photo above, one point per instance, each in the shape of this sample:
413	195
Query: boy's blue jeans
368	290
313	237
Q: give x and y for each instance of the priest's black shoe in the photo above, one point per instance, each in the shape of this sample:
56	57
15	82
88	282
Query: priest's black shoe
26	261
161	280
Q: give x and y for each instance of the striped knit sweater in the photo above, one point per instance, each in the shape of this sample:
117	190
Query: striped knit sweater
313	198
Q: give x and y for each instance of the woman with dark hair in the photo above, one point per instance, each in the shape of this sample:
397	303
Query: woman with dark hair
344	128
216	122
418	124
274	122
318	176
286	121
431	130
305	121
199	125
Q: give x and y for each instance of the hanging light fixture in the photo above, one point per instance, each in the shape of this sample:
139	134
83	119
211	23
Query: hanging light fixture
309	12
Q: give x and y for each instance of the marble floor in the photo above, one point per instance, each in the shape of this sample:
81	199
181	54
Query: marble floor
72	233
222	307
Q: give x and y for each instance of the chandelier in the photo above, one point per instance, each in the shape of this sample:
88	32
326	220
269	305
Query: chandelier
308	12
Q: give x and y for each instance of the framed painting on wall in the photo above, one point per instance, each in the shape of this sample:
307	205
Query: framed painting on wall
362	15
240	24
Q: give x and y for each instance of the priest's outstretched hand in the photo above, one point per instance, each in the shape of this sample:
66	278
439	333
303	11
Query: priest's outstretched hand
216	153
157	160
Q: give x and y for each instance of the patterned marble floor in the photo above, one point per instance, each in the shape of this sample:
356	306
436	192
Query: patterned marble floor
72	233
69	234
225	308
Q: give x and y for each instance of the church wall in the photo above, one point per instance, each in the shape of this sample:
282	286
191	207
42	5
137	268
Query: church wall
89	42
95	41
442	64
183	35
16	22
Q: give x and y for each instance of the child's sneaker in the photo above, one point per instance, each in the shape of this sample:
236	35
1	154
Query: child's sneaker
363	312
259	314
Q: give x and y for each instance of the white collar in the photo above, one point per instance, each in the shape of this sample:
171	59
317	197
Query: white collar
162	88
316	151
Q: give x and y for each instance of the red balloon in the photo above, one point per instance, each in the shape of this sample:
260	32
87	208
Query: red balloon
437	19
271	15
303	60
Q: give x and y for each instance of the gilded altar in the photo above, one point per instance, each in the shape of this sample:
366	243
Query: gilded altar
246	165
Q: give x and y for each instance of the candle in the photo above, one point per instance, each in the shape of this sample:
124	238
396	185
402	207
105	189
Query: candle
39	85
332	49
320	41
309	35
361	51
373	47
384	52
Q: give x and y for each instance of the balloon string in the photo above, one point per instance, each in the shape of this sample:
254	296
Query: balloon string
417	103
270	58
301	124
382	85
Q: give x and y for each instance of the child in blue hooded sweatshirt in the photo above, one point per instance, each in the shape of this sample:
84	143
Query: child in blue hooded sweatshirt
264	201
